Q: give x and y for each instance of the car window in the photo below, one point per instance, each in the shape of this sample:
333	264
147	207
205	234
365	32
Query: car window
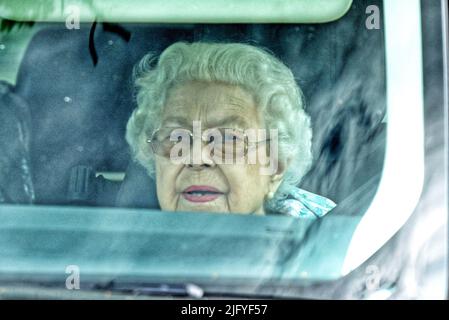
105	119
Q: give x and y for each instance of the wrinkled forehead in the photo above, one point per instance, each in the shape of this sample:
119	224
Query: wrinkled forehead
214	104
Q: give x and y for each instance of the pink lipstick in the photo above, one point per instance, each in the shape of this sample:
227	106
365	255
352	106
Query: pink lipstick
201	193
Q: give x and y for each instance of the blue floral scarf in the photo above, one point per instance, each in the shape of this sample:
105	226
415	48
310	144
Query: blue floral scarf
300	203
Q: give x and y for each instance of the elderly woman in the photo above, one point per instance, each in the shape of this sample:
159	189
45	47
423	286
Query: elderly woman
208	115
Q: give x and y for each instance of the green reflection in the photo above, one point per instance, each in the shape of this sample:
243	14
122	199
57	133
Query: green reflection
178	11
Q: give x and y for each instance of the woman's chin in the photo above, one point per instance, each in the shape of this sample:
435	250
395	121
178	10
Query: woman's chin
203	209
217	205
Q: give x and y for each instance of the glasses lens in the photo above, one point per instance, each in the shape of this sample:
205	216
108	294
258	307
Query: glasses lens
227	144
231	145
171	141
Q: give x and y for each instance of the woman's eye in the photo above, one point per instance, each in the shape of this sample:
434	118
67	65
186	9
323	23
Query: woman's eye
162	138
165	138
231	138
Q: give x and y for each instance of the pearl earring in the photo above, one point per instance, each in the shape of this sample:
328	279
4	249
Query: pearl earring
270	195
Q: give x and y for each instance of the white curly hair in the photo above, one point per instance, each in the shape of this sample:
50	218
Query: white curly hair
273	85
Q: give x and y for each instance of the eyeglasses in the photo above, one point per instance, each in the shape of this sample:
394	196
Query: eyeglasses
223	143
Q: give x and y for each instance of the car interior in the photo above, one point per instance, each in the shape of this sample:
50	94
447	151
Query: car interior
63	122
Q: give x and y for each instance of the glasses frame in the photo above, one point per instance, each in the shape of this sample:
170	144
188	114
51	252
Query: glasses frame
246	141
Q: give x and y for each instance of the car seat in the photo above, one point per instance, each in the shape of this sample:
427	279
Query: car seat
16	185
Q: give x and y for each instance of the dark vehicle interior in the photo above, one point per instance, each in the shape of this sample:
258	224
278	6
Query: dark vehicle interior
63	122
72	196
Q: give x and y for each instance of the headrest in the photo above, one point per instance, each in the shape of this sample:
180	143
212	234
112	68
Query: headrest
77	106
15	179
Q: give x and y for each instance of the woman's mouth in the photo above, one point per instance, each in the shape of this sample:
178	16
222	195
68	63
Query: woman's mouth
201	193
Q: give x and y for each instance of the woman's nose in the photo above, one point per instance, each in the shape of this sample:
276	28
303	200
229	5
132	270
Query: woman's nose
202	159
199	166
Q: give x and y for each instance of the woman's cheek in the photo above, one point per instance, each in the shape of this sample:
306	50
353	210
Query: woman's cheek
168	198
166	186
241	188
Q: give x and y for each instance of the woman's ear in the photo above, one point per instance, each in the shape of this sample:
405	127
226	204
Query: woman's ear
276	178
282	168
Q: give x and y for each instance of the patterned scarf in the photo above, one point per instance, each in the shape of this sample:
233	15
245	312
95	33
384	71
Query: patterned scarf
300	203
